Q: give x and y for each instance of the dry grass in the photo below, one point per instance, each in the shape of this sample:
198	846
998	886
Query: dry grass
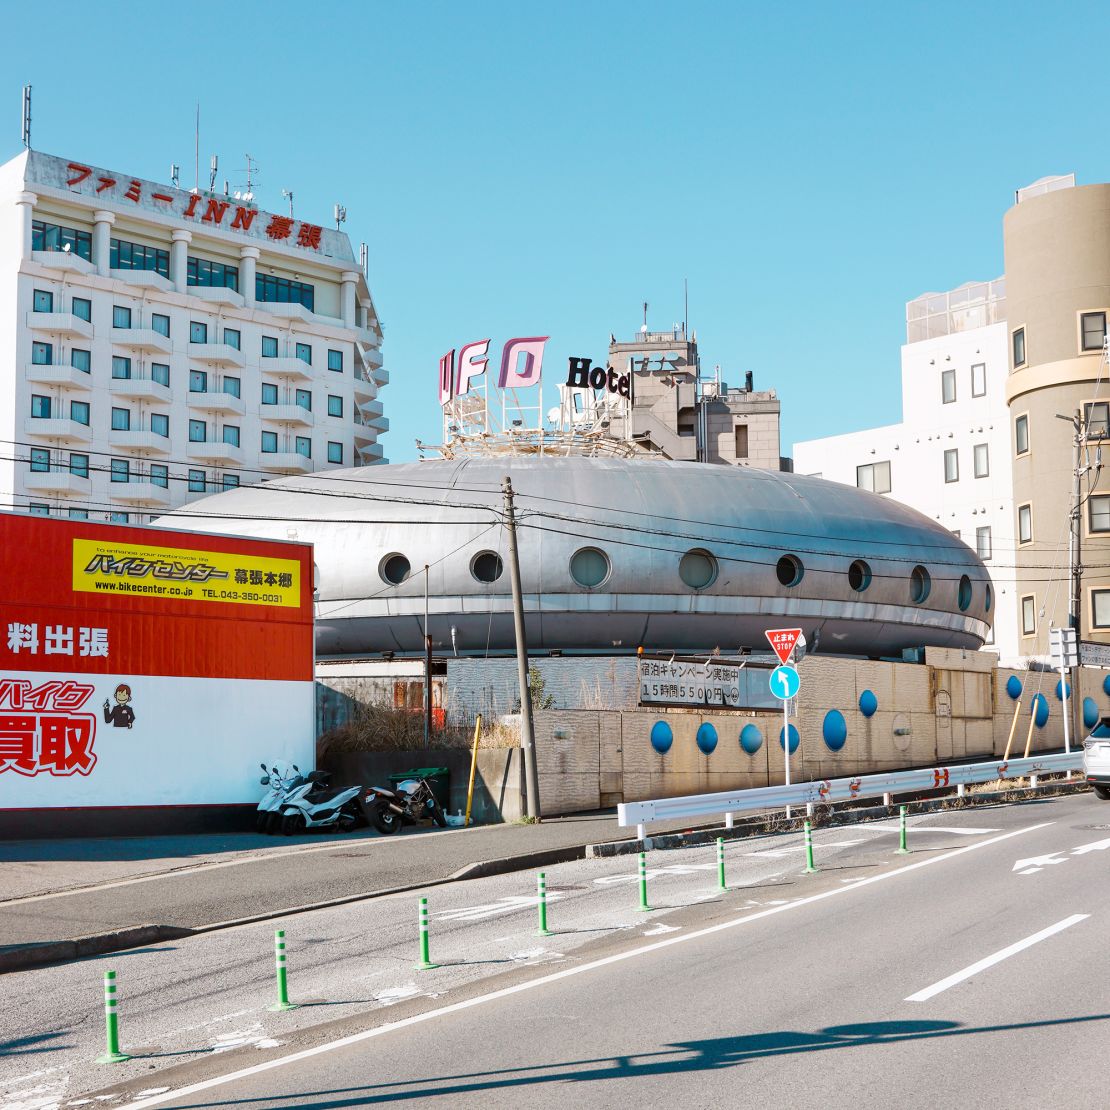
381	728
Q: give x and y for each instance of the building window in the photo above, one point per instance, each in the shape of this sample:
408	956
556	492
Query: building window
269	393
80	360
979	379
79	465
82	309
40	459
1025	524
78	514
981	460
874	477
233	386
42	354
304	446
230	481
160	323
160	475
952	465
198	332
199	271
121	366
1019	347
198	381
269	443
121	420
1096	416
983	542
159	423
160	373
267	287
196	481
37	509
335	361
947	386
335	405
118	517
1029	616
121	470
231	434
1099	512
232	337
40	406
52	237
79	412
43	301
269	346
198	431
304	398
335	453
121	316
136	256
1100	606
304	352
1021	434
1092	327
740	434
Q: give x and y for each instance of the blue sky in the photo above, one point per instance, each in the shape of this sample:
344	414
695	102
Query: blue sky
524	170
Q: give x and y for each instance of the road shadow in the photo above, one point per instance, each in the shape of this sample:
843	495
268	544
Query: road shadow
26	1046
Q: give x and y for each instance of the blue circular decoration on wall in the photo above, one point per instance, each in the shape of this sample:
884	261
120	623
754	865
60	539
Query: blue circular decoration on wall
868	703
1106	685
1013	687
1090	713
706	738
661	737
835	730
795	740
751	739
1059	694
1040	710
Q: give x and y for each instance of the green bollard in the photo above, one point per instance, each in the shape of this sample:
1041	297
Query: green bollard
112	1054
282	1002
643	884
902	849
810	869
541	885
425	963
721	884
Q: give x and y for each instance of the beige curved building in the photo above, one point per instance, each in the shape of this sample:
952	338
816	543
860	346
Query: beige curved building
1057	250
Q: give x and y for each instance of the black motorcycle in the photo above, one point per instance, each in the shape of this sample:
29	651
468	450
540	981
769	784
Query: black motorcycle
412	801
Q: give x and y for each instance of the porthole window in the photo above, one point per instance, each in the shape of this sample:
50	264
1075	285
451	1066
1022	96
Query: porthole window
487	566
789	570
989	598
698	569
859	576
963	595
920	584
394	569
589	567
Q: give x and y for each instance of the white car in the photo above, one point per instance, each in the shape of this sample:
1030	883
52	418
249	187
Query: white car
1096	763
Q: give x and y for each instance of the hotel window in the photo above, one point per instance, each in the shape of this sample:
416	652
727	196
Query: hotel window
304	399
335	406
231	434
1019	347
79	465
1025	524
269	346
199	271
43	301
121	420
269	443
121	470
196	481
40	459
981	460
1092	327
160	373
304	352
232	337
1100	604
1099	512
37	509
116	516
42	354
160	475
979	379
137	256
952	465
40	406
874	477
121	316
335	361
1021	434
82	309
52	237
230	481
198	381
79	412
198	332
232	386
78	514
121	366
269	393
304	446
983	542
740	440
335	453
1028	616
160	323
80	360
1097	418
159	423
282	290
198	431
947	386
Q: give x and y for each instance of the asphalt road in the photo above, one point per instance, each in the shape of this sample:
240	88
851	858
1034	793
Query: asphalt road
787	989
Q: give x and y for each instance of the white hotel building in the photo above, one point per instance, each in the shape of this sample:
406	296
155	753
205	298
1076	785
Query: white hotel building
158	344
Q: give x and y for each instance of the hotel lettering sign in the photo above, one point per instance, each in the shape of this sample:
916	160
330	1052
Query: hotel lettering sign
689	683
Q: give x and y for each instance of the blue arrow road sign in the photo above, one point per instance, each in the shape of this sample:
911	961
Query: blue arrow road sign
785	683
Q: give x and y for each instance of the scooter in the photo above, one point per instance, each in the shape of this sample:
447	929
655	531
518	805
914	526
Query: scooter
315	805
412	801
282	779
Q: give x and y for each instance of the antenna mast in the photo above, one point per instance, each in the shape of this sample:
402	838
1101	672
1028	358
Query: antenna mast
196	152
27	116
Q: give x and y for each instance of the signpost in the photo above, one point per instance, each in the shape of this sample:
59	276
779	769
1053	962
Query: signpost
1065	654
785	682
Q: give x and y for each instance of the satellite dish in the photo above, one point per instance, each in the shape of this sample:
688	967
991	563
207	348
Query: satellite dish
554	414
65	248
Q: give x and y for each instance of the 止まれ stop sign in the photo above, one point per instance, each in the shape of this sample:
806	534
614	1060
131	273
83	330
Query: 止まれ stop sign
783	641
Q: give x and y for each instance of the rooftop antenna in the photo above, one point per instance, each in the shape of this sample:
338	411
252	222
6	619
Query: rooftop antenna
644	328
364	258
686	306
27	116
340	215
196	152
213	167
247	194
175	175
288	194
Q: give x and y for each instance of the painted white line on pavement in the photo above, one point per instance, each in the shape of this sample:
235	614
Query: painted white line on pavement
566	973
998	957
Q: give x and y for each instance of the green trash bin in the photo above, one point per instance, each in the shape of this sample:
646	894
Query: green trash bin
439	779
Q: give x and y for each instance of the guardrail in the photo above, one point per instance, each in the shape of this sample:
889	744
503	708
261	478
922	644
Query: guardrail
824	791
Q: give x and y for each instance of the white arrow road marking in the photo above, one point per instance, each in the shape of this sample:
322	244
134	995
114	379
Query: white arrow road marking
998	957
1097	846
789	851
493	909
1034	864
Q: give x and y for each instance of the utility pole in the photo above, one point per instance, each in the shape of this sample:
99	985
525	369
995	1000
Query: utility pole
427	667
527	732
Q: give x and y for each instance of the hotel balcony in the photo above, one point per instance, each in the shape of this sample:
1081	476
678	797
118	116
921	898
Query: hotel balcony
58	428
143	279
286	366
138	440
216	400
364	434
374	453
59	323
285	462
68	377
218	354
214	451
61	482
141	389
288	414
63	260
365	391
217	294
139	491
141	339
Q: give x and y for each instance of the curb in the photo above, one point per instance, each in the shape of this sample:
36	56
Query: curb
96	944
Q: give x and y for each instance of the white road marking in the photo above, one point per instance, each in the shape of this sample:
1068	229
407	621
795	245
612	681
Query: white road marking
568	972
1034	864
1097	846
998	957
793	849
493	909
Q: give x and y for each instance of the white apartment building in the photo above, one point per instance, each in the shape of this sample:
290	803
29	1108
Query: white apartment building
951	457
158	344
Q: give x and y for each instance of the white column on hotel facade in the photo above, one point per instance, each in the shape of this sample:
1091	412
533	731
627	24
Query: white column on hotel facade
179	260
248	257
26	202
349	278
102	245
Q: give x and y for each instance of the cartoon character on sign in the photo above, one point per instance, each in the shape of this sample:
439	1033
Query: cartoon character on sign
121	715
